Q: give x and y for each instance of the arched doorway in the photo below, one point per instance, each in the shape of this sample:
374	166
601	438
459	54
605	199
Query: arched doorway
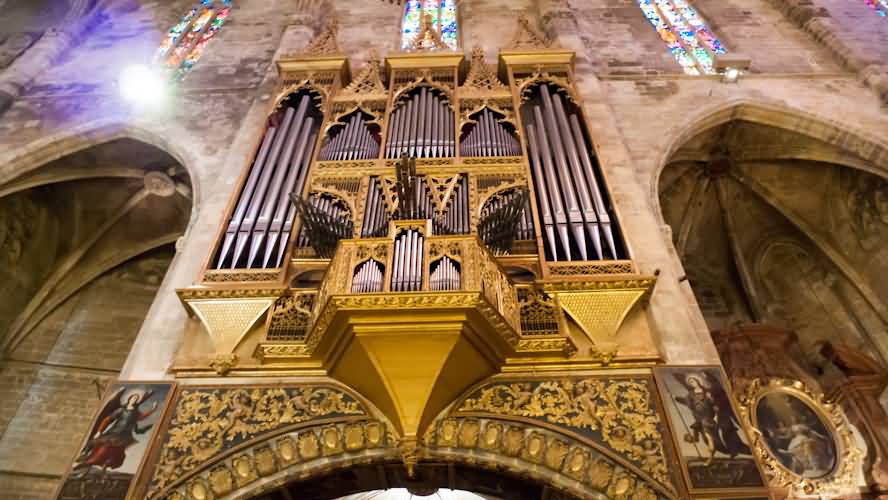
85	242
437	481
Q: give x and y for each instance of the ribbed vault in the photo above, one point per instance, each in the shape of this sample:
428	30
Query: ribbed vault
71	221
776	226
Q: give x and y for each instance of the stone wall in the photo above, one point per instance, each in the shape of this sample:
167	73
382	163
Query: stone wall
53	381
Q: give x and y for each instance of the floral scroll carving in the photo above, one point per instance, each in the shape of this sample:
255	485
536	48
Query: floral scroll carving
209	421
619	414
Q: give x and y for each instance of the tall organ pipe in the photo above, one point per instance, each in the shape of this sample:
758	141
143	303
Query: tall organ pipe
576	171
276	183
246	224
575	215
245	196
565	179
282	203
558	208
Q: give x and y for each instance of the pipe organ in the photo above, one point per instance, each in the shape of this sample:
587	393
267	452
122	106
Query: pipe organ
352	141
489	137
406	180
524	177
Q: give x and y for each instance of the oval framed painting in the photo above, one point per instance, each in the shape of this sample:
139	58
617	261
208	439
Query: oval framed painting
804	441
796	434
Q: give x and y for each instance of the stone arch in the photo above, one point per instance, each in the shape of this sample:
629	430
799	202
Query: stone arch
844	135
18	162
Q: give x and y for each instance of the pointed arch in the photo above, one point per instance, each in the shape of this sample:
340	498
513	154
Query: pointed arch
873	150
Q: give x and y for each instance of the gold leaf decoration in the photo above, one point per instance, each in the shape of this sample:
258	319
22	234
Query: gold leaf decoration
209	421
618	413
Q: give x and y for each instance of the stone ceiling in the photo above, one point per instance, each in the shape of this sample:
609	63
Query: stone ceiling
773	226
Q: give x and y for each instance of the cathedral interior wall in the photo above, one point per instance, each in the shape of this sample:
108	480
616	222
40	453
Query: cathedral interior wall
819	61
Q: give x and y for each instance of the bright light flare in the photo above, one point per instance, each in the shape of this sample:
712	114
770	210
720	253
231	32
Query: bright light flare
141	85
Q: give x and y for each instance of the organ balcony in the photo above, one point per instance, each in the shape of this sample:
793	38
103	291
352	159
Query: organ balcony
417	230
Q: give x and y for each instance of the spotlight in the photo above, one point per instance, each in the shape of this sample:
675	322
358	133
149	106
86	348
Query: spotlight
139	84
731	67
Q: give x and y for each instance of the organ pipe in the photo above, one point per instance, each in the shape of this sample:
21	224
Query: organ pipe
259	228
571	203
354	141
407	261
421	127
489	137
368	278
445	276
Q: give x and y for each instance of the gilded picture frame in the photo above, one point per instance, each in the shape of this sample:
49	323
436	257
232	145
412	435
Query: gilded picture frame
116	444
792	451
725	466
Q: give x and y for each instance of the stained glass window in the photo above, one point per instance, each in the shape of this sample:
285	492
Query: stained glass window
880	6
187	40
443	14
691	43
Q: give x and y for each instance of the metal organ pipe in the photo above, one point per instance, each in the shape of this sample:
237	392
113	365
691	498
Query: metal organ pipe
245	197
445	276
368	278
565	180
489	137
353	142
422	126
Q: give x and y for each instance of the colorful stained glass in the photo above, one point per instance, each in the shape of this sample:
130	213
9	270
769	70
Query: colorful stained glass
187	40
689	40
443	13
880	6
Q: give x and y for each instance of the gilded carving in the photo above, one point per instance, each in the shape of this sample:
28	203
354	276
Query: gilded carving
312	446
518	447
481	78
619	413
526	36
325	42
240	276
207	421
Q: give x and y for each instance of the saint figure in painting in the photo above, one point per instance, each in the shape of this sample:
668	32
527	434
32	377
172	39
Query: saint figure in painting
714	420
114	432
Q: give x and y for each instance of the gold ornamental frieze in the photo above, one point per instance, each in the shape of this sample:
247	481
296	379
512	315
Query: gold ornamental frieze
617	415
542	454
208	422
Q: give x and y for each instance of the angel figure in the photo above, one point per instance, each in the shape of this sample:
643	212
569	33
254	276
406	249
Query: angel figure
714	420
114	432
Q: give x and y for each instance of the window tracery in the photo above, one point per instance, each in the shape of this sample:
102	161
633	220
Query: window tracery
442	14
691	42
187	40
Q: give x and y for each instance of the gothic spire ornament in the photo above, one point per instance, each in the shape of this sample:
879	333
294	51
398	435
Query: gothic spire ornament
369	80
527	36
482	76
325	44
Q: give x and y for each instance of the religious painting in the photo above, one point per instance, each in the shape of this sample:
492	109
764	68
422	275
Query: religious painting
712	444
795	435
117	441
804	440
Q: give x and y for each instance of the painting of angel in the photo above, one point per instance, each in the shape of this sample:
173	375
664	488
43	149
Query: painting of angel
711	441
116	443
